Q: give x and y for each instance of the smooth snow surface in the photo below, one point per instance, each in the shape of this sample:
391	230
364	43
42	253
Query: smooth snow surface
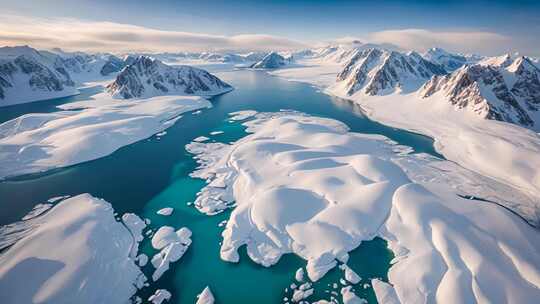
205	297
306	185
38	142
505	154
75	253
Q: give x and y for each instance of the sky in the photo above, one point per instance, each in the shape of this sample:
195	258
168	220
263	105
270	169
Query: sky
483	27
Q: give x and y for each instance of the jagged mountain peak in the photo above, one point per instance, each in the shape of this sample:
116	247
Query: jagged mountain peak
272	60
27	74
147	76
521	64
376	71
499	88
497	61
450	61
10	51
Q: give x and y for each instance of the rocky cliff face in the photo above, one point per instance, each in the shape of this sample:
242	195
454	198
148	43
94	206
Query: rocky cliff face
498	88
82	65
147	77
112	65
378	71
28	75
271	61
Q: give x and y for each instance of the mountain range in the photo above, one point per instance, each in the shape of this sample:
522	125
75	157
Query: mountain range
27	74
147	77
501	88
505	88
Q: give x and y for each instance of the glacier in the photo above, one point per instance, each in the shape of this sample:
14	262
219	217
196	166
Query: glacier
306	185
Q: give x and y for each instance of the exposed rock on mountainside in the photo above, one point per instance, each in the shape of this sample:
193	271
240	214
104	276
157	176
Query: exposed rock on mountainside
28	75
377	71
449	61
112	65
271	61
499	89
147	77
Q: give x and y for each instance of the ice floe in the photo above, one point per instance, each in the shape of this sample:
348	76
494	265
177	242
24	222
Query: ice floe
160	296
299	275
165	211
85	131
173	245
242	115
76	252
303	291
349	297
135	226
306	185
350	275
205	297
201	139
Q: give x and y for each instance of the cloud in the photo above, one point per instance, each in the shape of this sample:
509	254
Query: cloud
462	41
72	34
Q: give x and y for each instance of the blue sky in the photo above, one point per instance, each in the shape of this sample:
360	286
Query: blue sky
311	22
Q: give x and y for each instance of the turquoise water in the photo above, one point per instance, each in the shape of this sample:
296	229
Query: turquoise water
153	173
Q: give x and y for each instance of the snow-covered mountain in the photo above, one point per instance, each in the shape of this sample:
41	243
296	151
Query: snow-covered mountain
449	61
339	53
29	75
272	60
376	71
496	88
190	58
335	54
84	67
147	77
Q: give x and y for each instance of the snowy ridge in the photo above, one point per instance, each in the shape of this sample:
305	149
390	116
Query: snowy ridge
497	88
147	77
306	185
450	61
376	72
342	53
271	61
88	67
189	58
28	75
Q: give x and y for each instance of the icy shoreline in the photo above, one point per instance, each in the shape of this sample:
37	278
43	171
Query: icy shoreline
77	252
85	131
298	176
505	153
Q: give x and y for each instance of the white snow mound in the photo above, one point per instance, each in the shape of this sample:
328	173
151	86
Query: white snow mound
75	253
306	185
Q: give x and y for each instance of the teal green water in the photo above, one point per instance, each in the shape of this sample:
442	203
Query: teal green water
153	173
